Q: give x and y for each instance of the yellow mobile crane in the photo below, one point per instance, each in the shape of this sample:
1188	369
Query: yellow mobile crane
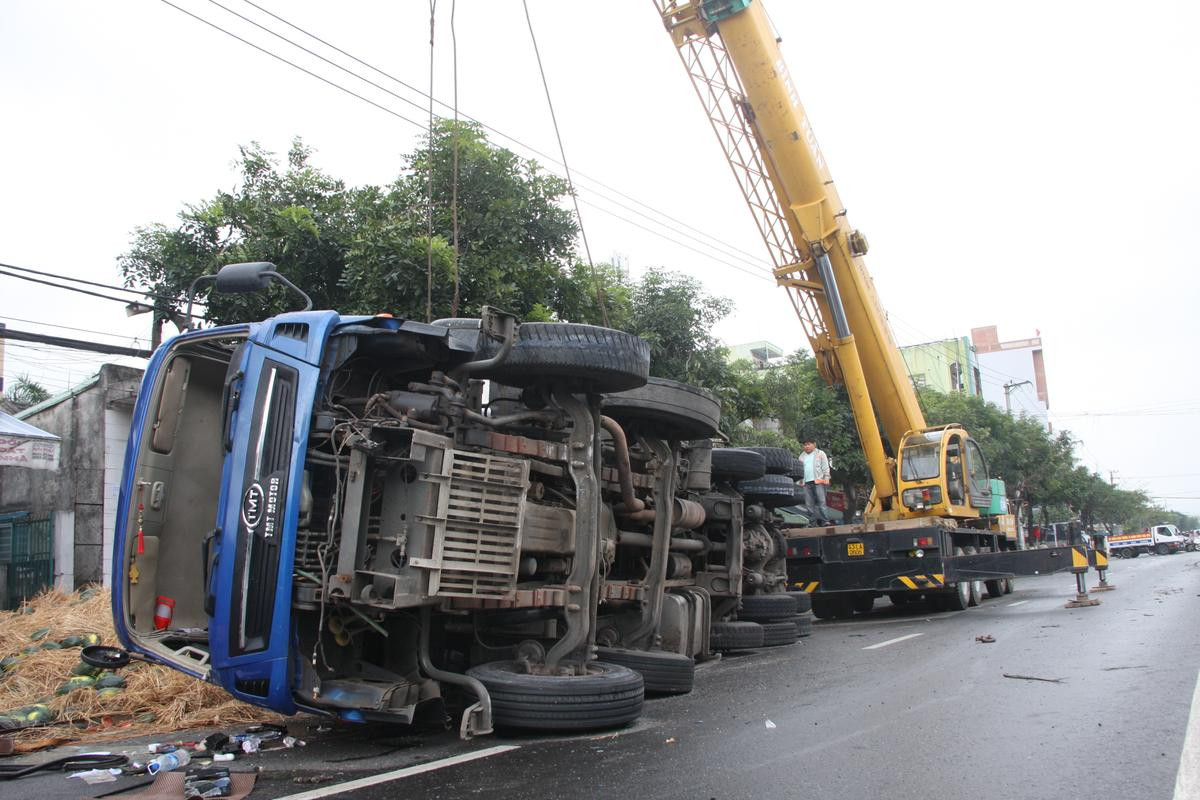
931	509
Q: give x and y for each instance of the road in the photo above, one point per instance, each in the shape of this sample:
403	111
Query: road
896	704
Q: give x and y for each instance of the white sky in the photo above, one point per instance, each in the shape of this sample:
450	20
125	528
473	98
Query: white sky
1032	165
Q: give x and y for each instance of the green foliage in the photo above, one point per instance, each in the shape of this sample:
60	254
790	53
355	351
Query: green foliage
367	249
25	393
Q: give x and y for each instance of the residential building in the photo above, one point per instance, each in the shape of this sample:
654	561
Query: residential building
1015	373
949	365
760	354
92	422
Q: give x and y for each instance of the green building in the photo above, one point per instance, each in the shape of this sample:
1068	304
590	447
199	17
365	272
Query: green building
949	365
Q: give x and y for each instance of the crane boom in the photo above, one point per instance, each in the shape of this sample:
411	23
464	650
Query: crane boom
733	58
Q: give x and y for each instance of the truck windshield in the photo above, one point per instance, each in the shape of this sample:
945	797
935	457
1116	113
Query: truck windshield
922	457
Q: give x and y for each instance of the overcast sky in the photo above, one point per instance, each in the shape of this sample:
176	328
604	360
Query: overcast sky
1032	166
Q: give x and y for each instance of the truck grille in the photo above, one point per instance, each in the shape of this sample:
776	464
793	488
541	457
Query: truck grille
477	529
265	485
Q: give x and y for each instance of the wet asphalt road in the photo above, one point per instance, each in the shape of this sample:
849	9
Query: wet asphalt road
926	711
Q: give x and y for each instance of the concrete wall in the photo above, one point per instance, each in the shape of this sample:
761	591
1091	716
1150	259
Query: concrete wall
89	466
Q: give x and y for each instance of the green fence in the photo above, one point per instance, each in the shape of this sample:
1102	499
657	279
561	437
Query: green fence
26	557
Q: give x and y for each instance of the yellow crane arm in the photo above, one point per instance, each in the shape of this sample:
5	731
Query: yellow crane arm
733	58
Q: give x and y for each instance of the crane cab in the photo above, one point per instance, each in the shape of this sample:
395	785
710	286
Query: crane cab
942	473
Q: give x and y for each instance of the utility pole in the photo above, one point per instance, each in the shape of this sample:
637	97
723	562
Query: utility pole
1008	387
1112	477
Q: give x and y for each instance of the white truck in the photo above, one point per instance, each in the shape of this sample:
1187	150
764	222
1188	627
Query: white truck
1158	539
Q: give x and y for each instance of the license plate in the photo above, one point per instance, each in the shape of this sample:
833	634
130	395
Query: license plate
855	549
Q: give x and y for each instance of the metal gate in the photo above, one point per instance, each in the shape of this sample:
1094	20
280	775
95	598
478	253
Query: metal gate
26	557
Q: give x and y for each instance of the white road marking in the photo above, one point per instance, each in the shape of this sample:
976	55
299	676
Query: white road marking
1010	605
892	641
1187	780
384	777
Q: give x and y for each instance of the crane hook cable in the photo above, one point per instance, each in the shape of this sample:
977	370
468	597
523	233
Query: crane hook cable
429	180
570	183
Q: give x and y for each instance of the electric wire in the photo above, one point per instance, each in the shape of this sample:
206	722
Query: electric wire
293	64
718	243
141	292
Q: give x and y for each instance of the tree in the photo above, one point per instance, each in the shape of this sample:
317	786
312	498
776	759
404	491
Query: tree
26	393
367	249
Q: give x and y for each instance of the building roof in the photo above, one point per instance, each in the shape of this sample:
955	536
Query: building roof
51	402
11	426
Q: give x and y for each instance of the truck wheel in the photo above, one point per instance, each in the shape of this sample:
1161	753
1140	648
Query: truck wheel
736	464
778	460
608	696
587	356
662	672
826	606
777	634
739	635
995	588
666	409
1009	583
770	490
803	601
863	603
976	587
803	624
959	596
1161	549
767	607
1131	552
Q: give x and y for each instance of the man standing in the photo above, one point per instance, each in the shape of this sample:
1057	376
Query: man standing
816	478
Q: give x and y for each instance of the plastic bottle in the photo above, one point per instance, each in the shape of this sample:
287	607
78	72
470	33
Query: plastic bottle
168	761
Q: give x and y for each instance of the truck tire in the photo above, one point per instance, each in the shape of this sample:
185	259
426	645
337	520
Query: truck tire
958	598
831	606
797	470
863	603
976	586
608	696
995	588
777	634
666	409
586	356
1009	584
803	601
767	607
804	623
771	491
1161	549
736	464
778	460
736	635
662	672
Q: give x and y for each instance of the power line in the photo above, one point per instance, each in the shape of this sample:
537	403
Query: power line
293	64
141	292
394	113
123	300
67	327
719	244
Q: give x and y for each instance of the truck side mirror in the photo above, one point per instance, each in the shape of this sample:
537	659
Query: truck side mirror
243	278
